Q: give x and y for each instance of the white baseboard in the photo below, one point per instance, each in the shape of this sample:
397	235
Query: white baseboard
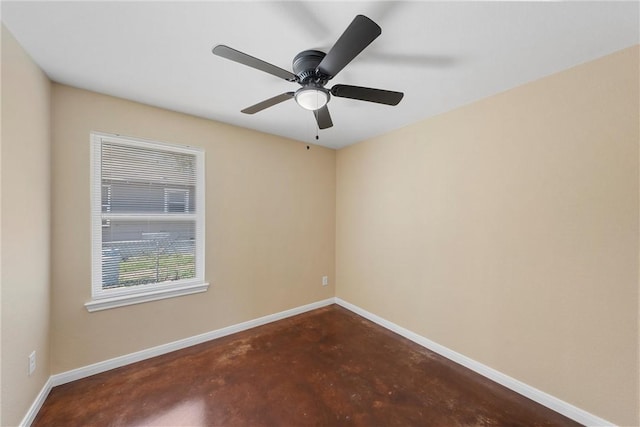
532	393
127	359
37	404
551	402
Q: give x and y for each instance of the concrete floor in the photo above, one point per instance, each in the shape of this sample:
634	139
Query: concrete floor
328	367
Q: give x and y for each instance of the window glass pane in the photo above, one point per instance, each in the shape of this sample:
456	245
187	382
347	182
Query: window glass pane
176	200
106	198
142	252
139	180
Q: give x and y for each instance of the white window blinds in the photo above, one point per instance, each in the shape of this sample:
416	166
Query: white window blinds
147	216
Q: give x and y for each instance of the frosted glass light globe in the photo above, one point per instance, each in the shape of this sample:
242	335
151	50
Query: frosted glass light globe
312	98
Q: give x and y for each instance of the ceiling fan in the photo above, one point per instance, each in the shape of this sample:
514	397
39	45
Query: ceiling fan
312	69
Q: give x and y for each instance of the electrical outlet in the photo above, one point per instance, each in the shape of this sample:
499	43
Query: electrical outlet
325	280
32	362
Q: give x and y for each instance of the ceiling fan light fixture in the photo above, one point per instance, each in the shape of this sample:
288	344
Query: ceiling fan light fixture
312	70
312	97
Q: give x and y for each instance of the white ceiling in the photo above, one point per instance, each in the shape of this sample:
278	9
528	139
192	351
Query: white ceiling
440	54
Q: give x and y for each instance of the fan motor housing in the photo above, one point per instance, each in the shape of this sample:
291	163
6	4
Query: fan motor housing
304	66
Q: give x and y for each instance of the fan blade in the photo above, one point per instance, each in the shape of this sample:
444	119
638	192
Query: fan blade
250	61
323	118
268	103
380	96
358	35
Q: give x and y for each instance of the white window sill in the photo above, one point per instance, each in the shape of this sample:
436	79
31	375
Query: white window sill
138	298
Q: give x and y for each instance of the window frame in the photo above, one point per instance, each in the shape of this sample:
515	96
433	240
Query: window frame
102	299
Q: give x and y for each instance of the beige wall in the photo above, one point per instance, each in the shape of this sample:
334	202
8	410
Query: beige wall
270	228
507	230
25	229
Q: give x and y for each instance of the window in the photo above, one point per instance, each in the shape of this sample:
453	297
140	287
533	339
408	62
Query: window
176	200
106	203
147	221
